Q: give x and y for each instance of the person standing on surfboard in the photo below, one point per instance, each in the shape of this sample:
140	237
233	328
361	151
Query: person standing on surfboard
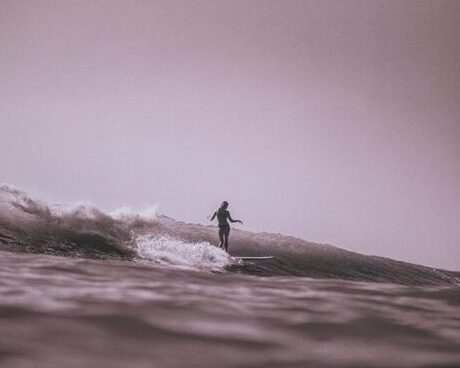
224	227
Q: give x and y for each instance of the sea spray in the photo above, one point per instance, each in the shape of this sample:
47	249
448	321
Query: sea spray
167	250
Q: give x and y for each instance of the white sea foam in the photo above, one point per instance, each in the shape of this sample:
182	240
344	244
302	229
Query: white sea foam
168	250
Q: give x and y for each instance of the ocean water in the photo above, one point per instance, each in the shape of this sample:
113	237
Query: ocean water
80	287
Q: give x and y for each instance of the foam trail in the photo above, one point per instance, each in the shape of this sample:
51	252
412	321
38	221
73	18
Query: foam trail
167	250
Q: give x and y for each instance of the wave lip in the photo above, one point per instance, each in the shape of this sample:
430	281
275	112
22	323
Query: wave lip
29	225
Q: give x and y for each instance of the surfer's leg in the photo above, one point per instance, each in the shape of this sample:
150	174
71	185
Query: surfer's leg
226	234
221	237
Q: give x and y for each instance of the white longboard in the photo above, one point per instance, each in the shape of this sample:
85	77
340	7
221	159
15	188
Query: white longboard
253	258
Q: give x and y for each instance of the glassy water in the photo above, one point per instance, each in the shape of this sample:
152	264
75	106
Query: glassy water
70	312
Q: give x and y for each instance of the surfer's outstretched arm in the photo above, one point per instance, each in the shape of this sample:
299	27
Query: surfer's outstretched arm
213	216
232	220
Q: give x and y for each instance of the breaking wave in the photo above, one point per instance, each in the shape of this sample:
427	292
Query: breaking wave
166	250
29	225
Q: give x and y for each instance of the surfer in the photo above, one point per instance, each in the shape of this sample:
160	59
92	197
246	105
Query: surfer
224	227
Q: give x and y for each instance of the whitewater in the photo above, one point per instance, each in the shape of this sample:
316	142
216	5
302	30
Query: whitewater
83	287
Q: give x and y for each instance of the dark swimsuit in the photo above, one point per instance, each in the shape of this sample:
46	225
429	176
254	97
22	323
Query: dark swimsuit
224	226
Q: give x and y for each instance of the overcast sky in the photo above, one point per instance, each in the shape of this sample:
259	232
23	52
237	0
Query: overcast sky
335	121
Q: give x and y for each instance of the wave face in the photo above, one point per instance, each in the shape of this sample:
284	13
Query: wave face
29	225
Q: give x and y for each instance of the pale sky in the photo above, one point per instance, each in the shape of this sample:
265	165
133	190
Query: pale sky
334	121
